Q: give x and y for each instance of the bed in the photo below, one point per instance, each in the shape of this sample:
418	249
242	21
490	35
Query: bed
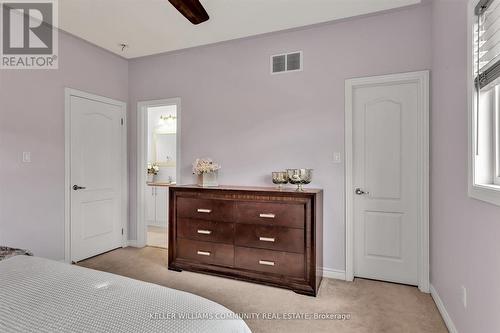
41	295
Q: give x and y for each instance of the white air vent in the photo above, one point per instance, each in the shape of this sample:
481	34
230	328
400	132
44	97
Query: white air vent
288	62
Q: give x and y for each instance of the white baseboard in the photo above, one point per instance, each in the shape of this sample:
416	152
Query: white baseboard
161	224
333	273
440	305
134	243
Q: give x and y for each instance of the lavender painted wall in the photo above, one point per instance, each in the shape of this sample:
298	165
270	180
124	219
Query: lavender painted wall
32	119
253	123
465	233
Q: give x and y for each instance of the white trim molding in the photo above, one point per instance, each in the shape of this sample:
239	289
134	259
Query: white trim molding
442	310
422	78
142	149
333	273
68	92
133	243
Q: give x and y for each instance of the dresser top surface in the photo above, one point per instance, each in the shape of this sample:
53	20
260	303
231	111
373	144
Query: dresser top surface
287	190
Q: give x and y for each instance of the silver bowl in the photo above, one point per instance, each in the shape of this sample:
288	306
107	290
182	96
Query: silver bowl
299	177
280	178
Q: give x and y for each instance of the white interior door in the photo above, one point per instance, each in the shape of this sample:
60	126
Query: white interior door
385	181
96	172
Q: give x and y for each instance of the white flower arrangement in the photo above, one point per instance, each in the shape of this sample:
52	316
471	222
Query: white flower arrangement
153	168
204	165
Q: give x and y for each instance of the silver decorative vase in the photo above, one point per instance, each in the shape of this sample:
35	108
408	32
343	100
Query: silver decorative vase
280	178
299	177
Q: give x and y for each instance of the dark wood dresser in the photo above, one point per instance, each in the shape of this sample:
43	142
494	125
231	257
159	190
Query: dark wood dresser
263	235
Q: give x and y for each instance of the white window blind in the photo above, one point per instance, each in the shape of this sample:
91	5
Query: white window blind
487	42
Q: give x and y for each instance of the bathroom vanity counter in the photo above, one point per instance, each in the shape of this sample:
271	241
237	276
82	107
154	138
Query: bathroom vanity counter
164	184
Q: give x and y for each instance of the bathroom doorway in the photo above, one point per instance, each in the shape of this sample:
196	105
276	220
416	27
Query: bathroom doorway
159	154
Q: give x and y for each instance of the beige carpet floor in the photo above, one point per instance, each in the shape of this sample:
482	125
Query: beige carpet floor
156	236
373	306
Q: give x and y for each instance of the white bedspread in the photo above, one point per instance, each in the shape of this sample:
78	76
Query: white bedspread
40	295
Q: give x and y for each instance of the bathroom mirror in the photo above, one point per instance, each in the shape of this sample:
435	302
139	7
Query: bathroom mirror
164	146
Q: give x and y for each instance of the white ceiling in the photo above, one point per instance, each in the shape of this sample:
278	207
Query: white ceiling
154	26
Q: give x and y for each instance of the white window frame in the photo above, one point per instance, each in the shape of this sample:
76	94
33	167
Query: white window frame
496	145
486	192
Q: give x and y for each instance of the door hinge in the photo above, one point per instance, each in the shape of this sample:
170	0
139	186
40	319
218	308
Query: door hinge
122	231
122	121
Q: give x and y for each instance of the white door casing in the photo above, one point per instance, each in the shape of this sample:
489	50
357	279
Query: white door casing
387	157
96	161
142	150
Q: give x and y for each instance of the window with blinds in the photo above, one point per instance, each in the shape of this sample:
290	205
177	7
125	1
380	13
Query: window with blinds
484	171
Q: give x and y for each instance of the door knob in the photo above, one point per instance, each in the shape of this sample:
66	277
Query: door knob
76	187
359	191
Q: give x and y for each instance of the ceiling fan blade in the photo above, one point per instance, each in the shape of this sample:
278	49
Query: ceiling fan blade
192	9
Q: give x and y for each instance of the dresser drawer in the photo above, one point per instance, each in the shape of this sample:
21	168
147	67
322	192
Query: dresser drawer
270	213
272	238
205	209
205	252
284	263
203	230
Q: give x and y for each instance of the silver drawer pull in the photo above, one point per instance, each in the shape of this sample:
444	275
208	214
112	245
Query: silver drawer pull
267	216
204	232
203	253
266	239
265	262
201	210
